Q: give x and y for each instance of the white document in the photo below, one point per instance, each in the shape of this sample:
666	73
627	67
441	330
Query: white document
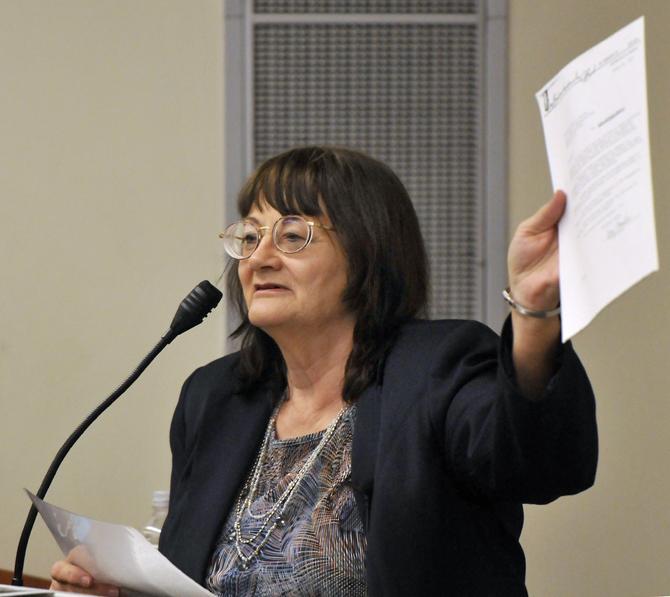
13	591
116	554
594	115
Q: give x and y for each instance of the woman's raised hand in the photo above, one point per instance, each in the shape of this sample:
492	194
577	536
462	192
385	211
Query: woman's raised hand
532	263
532	259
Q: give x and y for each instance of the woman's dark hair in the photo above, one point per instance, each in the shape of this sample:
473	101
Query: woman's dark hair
377	227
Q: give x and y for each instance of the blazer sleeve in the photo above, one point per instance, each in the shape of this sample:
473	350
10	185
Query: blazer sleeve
500	445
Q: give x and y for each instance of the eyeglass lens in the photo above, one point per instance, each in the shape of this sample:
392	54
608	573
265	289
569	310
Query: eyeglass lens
290	235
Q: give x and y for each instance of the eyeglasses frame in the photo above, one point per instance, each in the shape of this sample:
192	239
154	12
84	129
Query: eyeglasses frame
263	230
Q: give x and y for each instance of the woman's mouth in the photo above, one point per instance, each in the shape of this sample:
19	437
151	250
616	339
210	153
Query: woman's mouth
268	288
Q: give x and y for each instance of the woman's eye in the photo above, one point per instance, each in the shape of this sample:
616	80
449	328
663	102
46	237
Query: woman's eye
292	237
249	239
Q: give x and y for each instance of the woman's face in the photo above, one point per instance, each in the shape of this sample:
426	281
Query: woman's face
298	292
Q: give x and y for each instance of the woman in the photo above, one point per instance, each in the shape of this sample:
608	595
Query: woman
350	448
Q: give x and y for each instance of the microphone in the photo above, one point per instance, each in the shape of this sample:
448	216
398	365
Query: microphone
194	308
191	312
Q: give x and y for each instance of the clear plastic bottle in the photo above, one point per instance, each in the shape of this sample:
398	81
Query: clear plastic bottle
159	503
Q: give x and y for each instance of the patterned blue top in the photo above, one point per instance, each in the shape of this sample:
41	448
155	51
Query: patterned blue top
321	549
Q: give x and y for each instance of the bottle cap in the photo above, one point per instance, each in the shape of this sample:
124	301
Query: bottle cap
160	498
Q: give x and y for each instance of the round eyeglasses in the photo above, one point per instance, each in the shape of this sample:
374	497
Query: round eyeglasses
290	234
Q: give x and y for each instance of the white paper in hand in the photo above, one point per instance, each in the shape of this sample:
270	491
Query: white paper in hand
594	115
116	554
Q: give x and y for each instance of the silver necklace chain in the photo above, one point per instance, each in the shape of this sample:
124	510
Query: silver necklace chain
274	517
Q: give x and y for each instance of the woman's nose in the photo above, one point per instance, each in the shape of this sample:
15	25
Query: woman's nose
266	254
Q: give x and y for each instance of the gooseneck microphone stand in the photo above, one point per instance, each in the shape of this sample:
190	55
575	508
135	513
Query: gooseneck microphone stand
192	311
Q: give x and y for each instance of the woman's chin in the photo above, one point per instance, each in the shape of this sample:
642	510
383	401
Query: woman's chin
265	320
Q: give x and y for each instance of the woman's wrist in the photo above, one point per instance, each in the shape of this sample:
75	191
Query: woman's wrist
525	308
535	347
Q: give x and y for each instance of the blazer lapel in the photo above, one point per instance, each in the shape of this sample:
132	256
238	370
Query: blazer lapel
380	400
364	448
224	453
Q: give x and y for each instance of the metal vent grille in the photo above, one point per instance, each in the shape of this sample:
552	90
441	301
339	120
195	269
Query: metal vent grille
406	94
366	6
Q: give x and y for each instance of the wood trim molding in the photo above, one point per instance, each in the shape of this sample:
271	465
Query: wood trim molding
28	580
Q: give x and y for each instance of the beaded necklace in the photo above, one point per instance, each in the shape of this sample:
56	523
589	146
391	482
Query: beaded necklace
274	517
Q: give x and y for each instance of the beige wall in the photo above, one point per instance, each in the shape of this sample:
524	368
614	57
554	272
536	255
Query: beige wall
110	200
615	539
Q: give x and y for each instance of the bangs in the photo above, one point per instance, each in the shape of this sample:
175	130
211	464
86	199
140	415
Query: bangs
288	183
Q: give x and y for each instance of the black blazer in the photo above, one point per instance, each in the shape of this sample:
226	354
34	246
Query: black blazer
445	451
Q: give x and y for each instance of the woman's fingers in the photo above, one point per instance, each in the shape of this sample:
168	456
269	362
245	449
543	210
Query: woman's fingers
547	216
67	573
70	578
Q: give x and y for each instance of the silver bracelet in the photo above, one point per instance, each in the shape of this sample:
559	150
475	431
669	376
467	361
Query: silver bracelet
528	312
